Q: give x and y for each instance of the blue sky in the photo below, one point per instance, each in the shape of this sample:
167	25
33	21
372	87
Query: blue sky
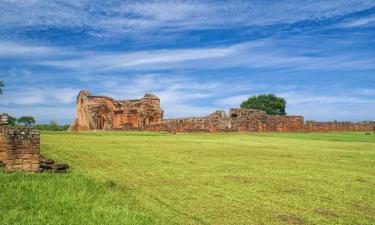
197	56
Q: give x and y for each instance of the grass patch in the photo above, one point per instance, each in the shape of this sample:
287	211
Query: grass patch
65	199
229	178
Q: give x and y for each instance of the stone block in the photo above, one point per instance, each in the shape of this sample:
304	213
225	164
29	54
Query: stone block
27	156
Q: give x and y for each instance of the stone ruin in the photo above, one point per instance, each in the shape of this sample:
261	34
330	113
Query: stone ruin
19	147
20	150
105	113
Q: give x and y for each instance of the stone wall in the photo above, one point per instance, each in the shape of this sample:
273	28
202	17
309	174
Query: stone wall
247	120
338	126
239	120
19	149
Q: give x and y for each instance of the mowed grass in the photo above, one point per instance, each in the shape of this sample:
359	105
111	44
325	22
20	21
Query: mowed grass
231	178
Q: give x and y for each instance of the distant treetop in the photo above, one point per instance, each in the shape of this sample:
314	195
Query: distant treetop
270	104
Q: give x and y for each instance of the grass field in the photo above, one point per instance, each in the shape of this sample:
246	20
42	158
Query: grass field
157	178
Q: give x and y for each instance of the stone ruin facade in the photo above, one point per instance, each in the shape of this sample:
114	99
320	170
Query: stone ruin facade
104	113
20	150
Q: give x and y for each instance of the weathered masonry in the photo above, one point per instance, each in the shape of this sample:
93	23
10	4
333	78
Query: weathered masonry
19	147
104	113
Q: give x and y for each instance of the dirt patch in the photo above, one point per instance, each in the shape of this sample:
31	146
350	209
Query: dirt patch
325	212
291	219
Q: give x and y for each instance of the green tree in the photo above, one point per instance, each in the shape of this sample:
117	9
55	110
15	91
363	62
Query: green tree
28	121
1	87
270	104
12	121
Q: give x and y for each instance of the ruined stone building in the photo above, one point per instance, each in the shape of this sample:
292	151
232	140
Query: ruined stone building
104	113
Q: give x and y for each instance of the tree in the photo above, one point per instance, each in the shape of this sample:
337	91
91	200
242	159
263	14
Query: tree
270	104
12	121
28	121
1	87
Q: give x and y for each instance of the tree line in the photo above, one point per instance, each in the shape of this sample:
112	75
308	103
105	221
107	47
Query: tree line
29	121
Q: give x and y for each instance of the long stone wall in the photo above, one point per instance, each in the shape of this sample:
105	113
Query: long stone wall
245	120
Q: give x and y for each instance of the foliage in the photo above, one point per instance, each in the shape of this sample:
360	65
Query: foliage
12	121
260	178
27	121
52	126
270	104
30	121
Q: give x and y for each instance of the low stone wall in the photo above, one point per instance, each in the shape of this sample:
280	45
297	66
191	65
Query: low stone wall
338	126
19	149
245	120
236	122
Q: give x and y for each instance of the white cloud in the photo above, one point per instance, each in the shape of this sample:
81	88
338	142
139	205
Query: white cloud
42	114
269	53
141	59
365	91
13	49
359	22
35	96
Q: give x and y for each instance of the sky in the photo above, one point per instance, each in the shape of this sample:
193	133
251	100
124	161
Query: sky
197	56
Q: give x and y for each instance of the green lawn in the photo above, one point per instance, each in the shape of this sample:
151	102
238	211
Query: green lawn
157	178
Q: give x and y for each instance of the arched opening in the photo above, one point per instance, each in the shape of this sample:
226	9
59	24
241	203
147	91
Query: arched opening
234	115
100	122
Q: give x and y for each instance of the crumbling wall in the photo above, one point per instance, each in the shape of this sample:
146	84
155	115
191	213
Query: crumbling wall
19	149
248	120
239	120
338	126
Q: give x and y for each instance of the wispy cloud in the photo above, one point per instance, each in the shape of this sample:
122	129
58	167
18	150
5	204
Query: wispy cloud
141	59
115	18
359	22
39	96
269	53
12	49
